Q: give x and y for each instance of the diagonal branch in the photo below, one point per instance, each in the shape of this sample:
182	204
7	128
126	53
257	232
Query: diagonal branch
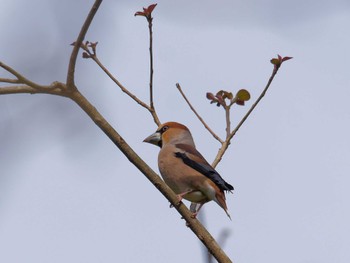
94	57
20	78
101	122
77	44
226	144
119	84
56	88
198	116
192	223
69	90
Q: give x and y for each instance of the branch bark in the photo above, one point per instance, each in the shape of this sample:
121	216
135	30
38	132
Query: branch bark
78	42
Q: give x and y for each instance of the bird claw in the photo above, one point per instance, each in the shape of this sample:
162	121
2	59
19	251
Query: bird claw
179	199
194	215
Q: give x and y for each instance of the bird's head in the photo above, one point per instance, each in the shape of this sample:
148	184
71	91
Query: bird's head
170	132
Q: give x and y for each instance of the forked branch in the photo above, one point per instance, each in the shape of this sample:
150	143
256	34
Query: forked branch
241	96
78	42
90	52
69	90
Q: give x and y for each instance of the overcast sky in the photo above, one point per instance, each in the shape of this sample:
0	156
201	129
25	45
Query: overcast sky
67	194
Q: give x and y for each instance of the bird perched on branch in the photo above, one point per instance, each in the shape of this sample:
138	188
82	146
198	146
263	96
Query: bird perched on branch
185	170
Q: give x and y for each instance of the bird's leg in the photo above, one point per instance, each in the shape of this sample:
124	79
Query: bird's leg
195	213
180	196
193	207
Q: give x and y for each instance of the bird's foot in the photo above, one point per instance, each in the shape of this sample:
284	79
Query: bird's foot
179	199
194	215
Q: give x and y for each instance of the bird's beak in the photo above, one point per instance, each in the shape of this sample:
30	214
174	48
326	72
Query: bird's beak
155	139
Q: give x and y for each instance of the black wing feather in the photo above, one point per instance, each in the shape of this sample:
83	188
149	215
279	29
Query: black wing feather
206	170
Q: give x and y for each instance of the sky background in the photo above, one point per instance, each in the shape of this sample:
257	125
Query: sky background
67	194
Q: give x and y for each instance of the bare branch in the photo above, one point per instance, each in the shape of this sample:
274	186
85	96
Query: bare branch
228	120
198	116
147	13
69	90
20	78
78	42
13	81
60	89
17	89
193	223
56	88
225	145
224	234
123	89
151	63
255	103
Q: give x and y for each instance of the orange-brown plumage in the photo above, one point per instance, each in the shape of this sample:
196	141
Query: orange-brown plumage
184	169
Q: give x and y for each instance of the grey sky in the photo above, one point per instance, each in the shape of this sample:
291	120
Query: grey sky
68	195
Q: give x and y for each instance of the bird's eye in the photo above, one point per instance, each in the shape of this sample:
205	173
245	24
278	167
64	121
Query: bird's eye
164	129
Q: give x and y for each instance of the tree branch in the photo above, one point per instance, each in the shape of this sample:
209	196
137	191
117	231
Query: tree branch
119	84
152	110
123	89
60	89
56	88
228	121
151	63
198	116
193	223
13	81
225	145
20	78
77	44
69	90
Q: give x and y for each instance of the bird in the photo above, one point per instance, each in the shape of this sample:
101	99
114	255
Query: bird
185	170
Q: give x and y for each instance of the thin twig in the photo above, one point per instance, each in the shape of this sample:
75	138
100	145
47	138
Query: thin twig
21	79
198	116
56	88
152	110
78	42
225	145
255	103
151	63
13	81
123	89
228	120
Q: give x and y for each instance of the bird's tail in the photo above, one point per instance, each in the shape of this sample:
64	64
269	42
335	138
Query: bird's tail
221	200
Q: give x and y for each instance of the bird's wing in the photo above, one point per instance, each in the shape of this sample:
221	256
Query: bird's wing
191	157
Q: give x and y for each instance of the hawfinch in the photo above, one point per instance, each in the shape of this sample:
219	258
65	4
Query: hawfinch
185	170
